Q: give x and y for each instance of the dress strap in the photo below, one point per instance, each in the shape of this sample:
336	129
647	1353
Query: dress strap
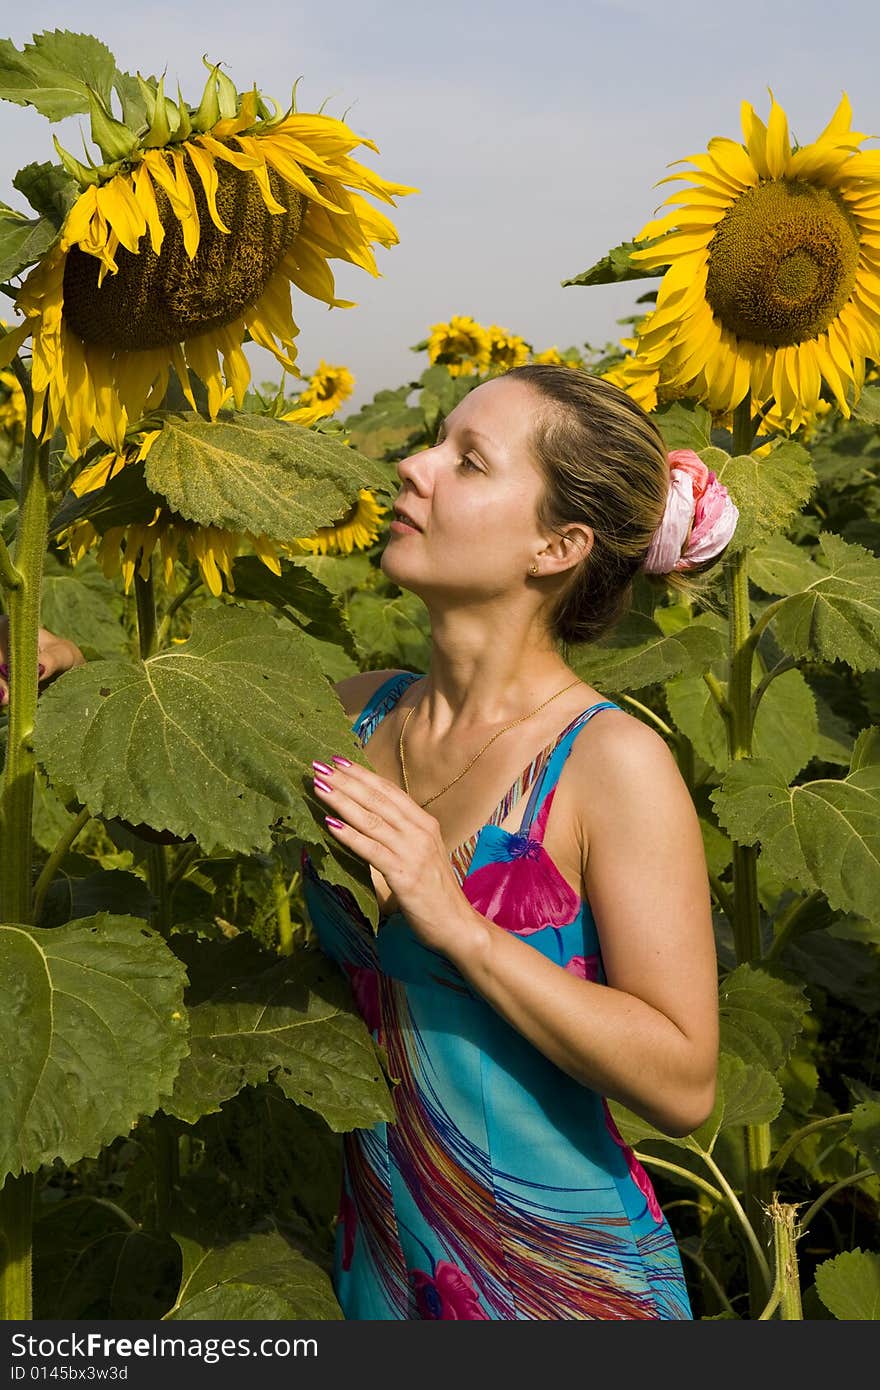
383	699
538	806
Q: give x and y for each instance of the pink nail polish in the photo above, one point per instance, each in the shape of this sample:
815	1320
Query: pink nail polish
322	767
331	820
341	762
322	786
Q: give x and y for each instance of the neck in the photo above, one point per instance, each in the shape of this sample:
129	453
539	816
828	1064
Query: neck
481	683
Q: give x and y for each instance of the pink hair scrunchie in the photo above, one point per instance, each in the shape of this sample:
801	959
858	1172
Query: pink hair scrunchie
695	495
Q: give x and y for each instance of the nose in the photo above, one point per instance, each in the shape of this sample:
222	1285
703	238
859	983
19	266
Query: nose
412	468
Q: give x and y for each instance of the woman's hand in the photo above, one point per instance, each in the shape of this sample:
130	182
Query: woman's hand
384	826
56	655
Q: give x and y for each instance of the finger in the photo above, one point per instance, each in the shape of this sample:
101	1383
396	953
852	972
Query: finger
362	845
354	778
374	817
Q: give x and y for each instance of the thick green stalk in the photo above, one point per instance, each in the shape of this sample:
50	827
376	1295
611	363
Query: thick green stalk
746	904
21	576
783	1217
16	1224
23	605
167	1169
282	911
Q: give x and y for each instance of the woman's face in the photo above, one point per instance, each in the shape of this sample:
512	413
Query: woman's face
474	495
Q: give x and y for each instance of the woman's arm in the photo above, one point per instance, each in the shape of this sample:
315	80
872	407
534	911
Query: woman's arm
649	1038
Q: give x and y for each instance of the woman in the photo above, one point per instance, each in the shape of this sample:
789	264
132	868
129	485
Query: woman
561	953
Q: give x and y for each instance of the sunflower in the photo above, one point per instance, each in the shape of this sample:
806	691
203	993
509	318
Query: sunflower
773	279
187	239
506	350
13	410
461	345
552	357
323	396
125	549
357	530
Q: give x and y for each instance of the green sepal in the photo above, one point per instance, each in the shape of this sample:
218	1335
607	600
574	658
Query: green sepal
114	140
80	172
227	94
208	113
159	134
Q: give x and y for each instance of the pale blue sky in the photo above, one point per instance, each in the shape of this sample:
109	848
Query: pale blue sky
535	131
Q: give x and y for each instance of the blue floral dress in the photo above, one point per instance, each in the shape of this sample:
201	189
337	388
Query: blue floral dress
504	1190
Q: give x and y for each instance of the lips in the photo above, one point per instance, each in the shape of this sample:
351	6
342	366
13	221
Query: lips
408	521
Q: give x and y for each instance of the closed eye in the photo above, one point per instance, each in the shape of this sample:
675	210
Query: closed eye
471	464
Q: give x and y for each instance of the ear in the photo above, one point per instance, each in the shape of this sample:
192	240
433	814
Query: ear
569	546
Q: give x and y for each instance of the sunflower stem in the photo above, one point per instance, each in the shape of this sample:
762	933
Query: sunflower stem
746	904
17	808
145	598
47	873
16	1224
177	602
783	1218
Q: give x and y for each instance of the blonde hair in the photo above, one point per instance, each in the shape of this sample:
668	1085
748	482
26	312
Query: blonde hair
604	464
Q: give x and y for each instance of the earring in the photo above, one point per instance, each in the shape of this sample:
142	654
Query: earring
533	567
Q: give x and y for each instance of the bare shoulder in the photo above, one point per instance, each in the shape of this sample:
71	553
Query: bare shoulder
624	772
355	691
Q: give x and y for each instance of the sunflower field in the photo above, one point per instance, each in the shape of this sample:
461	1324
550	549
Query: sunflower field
180	1062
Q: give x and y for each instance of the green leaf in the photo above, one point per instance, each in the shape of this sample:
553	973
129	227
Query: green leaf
781	567
745	1094
389	628
8	490
865	1131
107	890
93	1028
248	472
55	71
849	1285
685	427
385	423
299	594
261	1278
785	731
252	1014
768	491
639	653
867	407
212	738
90	1263
617	266
836	618
23	240
49	189
761	1016
823	834
80	603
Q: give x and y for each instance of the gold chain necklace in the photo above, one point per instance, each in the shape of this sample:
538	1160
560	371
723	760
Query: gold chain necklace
476	755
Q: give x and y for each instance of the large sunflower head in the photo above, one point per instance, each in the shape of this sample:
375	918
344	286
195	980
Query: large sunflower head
462	346
188	238
773	279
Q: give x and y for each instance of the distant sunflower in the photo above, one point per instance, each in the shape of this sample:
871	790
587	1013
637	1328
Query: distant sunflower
323	396
357	530
461	345
774	269
126	549
552	357
506	350
13	409
187	239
